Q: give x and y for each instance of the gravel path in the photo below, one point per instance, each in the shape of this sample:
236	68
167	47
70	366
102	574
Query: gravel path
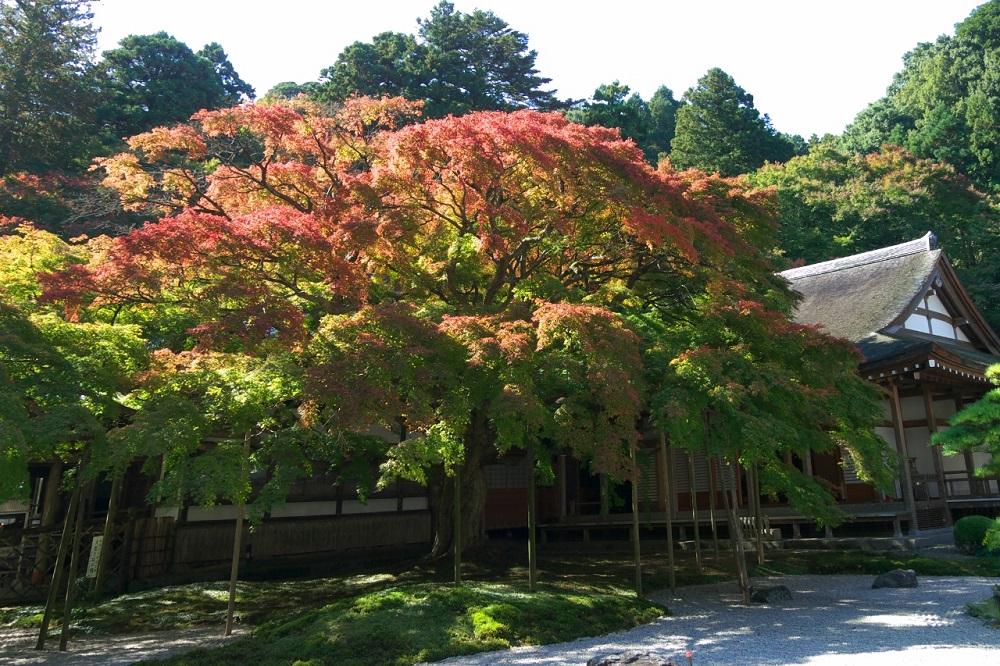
17	647
830	620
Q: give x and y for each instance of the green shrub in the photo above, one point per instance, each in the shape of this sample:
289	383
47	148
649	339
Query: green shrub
992	538
970	533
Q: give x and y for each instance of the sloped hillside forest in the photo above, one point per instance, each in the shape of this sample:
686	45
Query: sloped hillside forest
428	240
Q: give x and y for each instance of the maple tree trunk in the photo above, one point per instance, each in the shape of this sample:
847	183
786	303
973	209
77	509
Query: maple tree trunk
472	490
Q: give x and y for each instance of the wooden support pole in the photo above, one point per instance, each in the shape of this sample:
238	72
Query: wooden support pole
694	511
635	521
74	563
758	525
936	451
456	536
668	512
57	573
905	478
532	544
711	501
241	509
736	535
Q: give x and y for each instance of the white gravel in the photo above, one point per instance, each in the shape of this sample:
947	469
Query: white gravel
830	620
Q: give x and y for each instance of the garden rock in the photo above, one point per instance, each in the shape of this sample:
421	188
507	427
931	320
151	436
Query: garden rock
770	595
896	578
629	658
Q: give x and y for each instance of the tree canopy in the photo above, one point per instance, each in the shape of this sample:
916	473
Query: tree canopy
945	102
650	124
834	203
456	63
487	281
977	428
151	80
47	92
718	129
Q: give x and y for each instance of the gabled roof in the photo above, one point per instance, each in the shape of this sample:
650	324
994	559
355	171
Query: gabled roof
854	297
866	297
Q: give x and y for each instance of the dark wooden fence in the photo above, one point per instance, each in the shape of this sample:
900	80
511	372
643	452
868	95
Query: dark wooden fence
145	547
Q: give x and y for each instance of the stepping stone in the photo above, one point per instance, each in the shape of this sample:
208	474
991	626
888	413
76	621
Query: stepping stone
629	658
896	578
770	595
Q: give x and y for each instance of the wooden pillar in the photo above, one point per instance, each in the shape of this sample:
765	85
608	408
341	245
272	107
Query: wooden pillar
936	451
51	505
561	471
109	533
905	478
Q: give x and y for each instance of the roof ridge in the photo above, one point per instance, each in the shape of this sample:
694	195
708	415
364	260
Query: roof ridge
926	243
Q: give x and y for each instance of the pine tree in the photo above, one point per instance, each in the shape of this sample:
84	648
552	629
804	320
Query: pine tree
46	87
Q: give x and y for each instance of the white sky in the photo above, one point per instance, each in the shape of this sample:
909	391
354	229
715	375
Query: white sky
811	64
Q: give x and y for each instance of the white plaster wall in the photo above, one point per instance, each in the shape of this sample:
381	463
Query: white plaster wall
220	512
918	445
913	408
934	304
415	503
372	506
298	509
917	322
942	328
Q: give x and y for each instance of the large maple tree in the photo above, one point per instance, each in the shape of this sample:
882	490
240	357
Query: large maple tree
481	283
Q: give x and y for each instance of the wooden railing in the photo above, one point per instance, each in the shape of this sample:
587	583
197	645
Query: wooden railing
28	556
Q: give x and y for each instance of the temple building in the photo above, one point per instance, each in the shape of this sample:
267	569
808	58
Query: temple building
924	344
